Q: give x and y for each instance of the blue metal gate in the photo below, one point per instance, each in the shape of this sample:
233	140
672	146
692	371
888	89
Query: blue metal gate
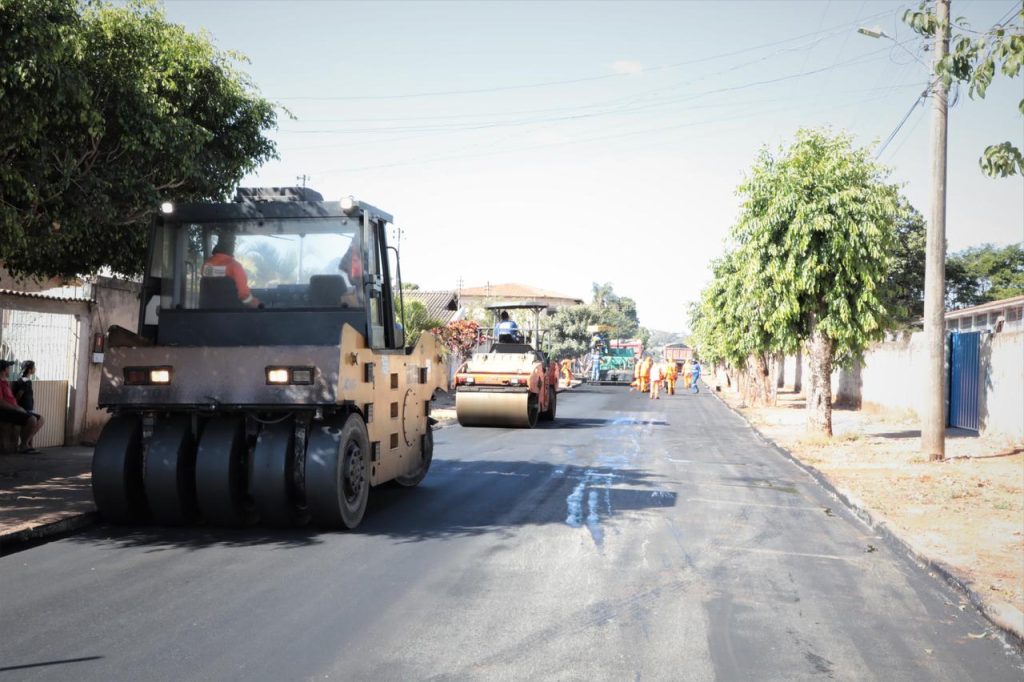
964	379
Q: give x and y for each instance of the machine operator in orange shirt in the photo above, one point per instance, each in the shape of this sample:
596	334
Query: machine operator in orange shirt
222	263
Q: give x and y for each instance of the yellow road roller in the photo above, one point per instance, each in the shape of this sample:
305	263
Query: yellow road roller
268	380
508	382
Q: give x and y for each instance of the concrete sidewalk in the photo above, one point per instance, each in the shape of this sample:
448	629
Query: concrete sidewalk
44	494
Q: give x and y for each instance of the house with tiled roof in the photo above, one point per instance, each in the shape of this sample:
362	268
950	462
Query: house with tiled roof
440	305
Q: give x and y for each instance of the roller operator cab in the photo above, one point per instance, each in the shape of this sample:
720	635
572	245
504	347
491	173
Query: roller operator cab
269	379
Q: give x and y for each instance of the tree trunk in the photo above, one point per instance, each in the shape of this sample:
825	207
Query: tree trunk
780	370
760	390
819	397
798	371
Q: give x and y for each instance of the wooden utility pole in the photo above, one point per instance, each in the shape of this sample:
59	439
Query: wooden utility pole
933	421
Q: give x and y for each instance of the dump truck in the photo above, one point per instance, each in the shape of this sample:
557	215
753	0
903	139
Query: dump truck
508	381
268	380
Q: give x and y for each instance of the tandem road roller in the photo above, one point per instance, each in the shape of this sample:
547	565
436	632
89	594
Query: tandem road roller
511	383
269	379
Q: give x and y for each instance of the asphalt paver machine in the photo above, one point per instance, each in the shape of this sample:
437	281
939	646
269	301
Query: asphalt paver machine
281	406
508	382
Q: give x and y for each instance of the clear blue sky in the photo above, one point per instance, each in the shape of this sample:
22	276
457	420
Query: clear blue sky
558	144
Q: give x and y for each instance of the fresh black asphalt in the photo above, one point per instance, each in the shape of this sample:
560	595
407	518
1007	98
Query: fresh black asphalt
629	540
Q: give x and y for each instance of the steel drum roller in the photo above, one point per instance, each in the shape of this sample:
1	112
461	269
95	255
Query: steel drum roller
480	408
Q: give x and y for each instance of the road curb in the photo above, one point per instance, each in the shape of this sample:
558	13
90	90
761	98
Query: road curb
1013	633
47	530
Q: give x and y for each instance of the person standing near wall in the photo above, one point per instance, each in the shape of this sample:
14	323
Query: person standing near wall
12	413
696	375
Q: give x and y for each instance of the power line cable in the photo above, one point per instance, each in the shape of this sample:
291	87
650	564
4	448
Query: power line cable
569	117
569	81
920	100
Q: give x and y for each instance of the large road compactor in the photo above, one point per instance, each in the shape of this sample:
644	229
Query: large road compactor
281	394
508	382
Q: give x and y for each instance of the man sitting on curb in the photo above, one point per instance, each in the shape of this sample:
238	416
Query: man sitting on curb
12	413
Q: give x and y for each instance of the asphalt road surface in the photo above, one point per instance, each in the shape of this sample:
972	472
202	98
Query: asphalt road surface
629	540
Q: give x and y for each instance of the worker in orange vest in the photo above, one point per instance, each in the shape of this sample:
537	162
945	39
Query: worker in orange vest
645	373
567	371
671	373
687	375
222	263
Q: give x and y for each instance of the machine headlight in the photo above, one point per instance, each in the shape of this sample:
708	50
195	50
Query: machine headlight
290	375
167	207
348	204
277	375
160	376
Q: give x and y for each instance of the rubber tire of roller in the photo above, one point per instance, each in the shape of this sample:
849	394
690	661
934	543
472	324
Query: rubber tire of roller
333	498
270	475
170	471
221	472
117	486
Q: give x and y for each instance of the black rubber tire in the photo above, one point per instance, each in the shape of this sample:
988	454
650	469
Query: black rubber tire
426	457
271	475
549	414
170	471
221	473
117	486
338	472
532	410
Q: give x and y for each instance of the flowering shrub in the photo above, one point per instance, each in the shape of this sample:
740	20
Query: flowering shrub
460	337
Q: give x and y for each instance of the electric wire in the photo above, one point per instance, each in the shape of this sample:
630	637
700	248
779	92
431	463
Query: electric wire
569	81
572	117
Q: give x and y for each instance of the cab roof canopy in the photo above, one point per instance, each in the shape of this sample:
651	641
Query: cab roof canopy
517	305
273	203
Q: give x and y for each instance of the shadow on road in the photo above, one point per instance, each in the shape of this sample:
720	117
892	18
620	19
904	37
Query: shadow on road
458	498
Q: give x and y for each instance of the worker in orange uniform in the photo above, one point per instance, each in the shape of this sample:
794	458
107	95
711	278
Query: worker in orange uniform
635	386
645	373
671	373
567	371
687	375
657	375
223	264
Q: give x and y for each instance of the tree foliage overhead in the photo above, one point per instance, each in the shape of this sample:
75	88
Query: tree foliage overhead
809	263
109	110
984	273
973	59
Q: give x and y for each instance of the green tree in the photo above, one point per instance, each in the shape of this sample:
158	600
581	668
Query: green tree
905	283
814	243
618	312
973	59
416	319
567	335
984	273
109	110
